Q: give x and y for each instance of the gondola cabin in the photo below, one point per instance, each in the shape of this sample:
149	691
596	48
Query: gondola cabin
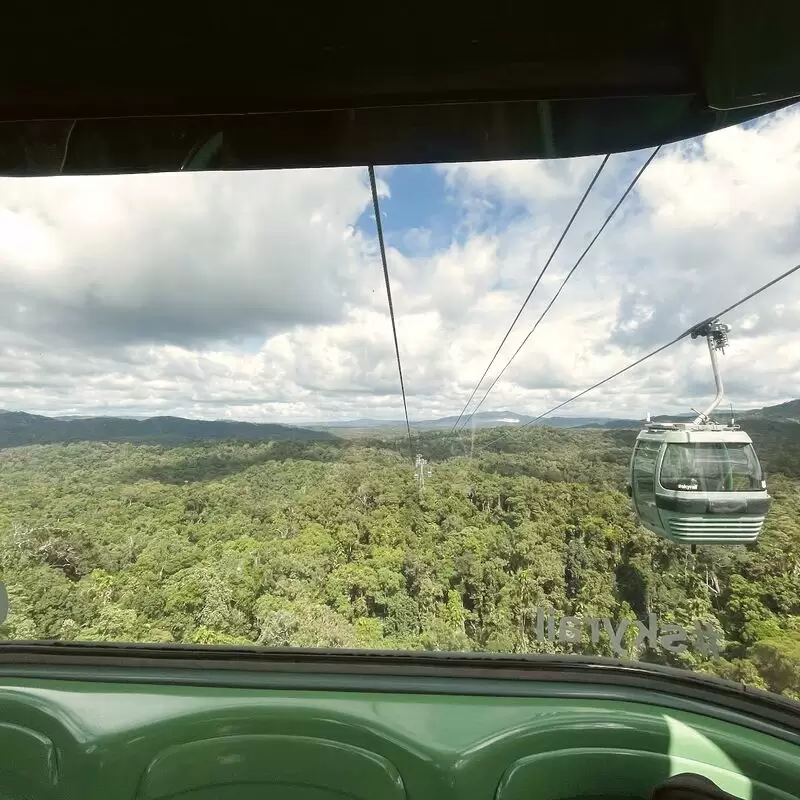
698	484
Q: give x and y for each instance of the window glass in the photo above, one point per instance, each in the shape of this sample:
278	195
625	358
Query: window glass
644	469
204	438
711	467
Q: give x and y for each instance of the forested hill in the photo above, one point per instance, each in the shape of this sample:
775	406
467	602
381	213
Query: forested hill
334	544
19	428
786	412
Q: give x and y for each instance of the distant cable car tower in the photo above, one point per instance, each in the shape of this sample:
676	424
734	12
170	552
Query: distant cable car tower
421	471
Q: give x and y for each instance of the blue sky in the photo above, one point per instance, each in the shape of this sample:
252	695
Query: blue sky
260	295
418	201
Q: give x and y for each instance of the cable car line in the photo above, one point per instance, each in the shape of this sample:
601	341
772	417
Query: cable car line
608	219
536	283
376	207
687	332
595	386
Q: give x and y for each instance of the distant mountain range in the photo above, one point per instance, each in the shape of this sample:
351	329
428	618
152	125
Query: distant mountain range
785	412
20	428
483	419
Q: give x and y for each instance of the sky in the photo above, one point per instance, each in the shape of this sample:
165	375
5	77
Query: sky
260	296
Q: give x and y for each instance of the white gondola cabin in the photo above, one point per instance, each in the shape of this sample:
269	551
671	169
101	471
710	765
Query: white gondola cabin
699	482
698	486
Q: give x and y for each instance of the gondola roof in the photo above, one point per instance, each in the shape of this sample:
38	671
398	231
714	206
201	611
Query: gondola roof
689	435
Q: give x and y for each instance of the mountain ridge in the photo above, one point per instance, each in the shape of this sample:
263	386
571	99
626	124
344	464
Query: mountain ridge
18	428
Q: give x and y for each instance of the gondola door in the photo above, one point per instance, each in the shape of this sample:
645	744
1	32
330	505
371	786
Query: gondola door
645	462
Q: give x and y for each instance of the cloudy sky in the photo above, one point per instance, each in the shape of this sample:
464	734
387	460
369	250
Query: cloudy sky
260	296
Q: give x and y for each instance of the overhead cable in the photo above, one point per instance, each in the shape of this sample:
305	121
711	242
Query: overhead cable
658	350
536	283
608	219
382	247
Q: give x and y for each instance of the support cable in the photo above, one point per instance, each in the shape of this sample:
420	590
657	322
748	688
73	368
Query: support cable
533	288
569	275
376	207
658	350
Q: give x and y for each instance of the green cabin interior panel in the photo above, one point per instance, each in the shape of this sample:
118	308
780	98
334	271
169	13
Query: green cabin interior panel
92	740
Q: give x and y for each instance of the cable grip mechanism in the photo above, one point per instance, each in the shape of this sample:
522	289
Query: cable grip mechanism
715	331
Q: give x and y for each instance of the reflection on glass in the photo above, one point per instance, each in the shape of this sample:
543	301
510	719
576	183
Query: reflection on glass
711	467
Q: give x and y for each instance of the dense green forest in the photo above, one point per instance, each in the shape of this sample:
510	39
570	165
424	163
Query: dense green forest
333	543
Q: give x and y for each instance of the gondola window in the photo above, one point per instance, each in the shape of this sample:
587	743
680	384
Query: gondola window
711	467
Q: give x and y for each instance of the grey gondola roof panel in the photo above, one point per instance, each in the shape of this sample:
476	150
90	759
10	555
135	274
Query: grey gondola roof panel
696	436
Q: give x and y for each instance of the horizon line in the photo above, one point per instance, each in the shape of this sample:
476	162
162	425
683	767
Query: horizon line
319	423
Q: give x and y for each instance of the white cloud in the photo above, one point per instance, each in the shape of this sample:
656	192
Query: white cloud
185	258
260	295
527	182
